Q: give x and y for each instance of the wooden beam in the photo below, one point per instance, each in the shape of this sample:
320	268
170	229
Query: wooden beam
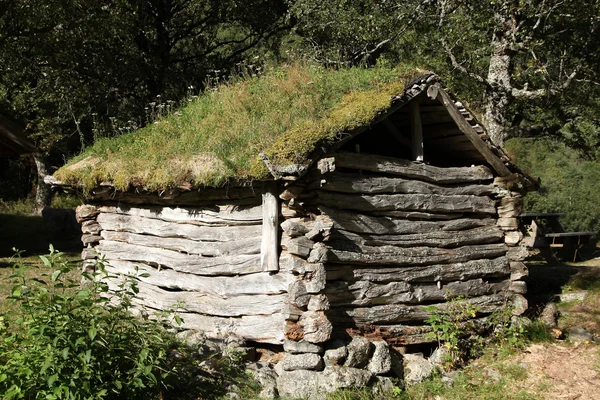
416	130
269	255
470	132
389	125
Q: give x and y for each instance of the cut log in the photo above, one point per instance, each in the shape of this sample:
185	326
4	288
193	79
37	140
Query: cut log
157	227
245	246
86	212
257	328
372	184
188	263
416	202
365	293
228	215
361	223
91	227
269	248
340	252
510	207
417	216
442	239
398	313
496	268
203	303
224	286
396	166
300	246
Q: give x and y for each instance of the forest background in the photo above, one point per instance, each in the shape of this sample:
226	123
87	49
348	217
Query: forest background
74	71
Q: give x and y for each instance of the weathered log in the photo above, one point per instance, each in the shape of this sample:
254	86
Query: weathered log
396	166
227	214
86	212
90	239
496	268
483	235
518	270
512	238
398	313
510	207
508	224
295	227
365	293
243	195
224	286
417	215
269	248
418	202
300	246
340	252
373	184
205	303
189	263
257	328
91	227
245	246
157	227
361	223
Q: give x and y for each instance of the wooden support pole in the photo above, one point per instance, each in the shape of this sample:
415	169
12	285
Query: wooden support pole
416	131
269	254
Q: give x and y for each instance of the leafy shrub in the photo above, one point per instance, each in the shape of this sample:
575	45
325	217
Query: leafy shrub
68	341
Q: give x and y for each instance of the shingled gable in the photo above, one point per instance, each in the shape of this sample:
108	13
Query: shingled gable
12	140
359	238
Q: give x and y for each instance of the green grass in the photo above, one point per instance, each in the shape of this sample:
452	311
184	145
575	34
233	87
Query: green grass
285	113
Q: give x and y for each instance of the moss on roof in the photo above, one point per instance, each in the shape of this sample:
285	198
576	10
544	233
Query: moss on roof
285	113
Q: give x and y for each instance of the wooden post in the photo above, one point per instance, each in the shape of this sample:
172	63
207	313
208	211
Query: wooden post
269	254
416	131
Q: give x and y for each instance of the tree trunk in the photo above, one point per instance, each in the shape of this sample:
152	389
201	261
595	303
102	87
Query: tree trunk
43	193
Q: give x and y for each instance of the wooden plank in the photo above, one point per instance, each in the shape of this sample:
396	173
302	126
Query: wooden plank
269	248
373	184
245	246
444	239
390	255
409	169
366	293
223	286
416	131
204	303
227	214
380	225
389	125
485	268
188	263
256	328
160	228
468	130
408	202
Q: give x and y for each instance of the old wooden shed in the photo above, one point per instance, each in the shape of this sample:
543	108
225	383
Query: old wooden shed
357	234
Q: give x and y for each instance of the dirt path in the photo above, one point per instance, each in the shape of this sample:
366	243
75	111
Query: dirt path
562	371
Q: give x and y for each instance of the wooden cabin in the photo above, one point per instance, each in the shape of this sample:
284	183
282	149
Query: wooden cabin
404	212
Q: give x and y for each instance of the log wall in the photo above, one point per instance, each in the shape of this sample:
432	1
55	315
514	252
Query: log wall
395	237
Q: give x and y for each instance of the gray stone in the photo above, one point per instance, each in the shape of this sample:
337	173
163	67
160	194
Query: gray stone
381	360
417	368
266	377
573	296
493	375
293	347
336	355
359	351
297	294
579	335
439	356
312	385
382	386
316	326
548	315
318	303
309	361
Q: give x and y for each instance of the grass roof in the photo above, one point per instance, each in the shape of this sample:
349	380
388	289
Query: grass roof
217	138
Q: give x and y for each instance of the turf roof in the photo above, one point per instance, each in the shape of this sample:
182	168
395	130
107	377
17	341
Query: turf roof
217	138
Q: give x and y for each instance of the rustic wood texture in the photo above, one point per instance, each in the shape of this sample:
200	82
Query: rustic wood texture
366	293
414	202
444	239
246	246
409	169
391	255
227	214
416	131
381	225
373	184
188	263
160	228
269	248
486	268
224	286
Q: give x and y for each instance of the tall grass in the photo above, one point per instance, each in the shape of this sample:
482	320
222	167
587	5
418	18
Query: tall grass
217	137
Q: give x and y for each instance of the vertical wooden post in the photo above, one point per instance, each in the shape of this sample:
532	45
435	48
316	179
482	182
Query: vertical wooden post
416	131
269	248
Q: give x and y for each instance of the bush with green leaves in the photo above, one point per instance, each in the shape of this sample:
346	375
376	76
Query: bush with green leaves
66	340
